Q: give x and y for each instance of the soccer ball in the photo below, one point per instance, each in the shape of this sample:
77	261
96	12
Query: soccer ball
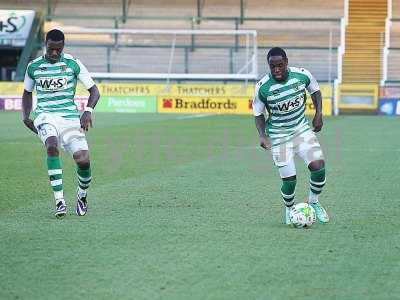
302	215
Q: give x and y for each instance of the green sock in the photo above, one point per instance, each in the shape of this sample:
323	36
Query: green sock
55	175
84	178
287	191
317	181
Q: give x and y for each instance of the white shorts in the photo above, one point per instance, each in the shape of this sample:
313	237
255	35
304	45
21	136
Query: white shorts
68	132
305	145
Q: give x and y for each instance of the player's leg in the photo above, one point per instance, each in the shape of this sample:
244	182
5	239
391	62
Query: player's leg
283	159
48	133
84	175
74	142
288	188
317	182
46	126
310	151
55	174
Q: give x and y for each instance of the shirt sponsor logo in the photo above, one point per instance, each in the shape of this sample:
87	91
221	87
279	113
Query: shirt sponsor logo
52	83
290	104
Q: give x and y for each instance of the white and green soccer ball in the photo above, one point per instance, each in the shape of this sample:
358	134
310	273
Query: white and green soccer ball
302	215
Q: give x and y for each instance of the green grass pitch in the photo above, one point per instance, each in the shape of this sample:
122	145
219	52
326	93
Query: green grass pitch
189	208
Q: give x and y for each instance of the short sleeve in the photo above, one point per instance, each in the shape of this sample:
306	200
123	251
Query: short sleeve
313	86
258	105
29	83
84	76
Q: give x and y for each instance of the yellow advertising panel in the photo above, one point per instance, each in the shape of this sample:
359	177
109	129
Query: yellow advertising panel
200	90
326	107
17	88
185	98
11	88
142	89
211	90
221	105
200	105
129	89
358	96
326	90
185	90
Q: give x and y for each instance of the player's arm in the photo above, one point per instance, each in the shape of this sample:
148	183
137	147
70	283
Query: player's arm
258	111
317	121
29	85
260	125
313	89
86	118
94	95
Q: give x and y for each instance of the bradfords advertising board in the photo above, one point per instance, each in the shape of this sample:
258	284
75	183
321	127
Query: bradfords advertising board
15	26
213	105
222	105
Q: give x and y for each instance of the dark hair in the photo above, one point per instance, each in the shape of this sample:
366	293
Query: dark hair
55	35
276	51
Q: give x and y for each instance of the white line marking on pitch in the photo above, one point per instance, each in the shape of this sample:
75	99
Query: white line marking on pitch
194	116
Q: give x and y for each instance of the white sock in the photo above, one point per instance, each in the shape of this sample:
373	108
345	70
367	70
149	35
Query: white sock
81	192
312	198
59	195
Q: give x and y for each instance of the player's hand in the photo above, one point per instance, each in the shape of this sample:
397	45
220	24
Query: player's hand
29	123
317	122
265	142
86	120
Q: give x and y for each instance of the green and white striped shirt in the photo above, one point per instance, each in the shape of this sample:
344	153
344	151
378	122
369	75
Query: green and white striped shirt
56	84
285	104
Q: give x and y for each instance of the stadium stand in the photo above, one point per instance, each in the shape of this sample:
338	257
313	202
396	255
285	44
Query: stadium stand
364	41
310	31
